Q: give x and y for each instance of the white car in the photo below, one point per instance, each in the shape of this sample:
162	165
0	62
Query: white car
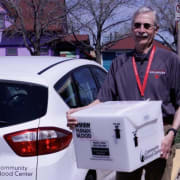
35	94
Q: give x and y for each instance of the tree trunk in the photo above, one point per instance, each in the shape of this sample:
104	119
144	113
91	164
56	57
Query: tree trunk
98	56
98	48
37	47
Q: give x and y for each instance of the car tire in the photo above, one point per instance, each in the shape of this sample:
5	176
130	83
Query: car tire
91	175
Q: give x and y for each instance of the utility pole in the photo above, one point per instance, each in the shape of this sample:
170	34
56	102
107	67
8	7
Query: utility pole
177	21
178	38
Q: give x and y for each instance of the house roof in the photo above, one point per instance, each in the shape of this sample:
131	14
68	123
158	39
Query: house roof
51	10
128	43
79	37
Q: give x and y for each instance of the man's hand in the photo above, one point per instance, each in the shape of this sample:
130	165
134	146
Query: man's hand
166	145
71	121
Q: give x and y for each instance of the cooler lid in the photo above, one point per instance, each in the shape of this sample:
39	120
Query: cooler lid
139	113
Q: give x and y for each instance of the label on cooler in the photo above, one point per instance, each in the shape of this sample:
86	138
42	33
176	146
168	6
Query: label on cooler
83	130
100	150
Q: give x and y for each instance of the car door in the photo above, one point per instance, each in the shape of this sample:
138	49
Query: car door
21	106
78	88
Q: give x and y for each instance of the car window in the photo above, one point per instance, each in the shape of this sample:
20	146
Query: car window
66	90
78	87
86	85
99	75
21	102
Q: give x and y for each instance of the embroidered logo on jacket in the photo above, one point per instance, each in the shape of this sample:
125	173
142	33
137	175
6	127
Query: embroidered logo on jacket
157	73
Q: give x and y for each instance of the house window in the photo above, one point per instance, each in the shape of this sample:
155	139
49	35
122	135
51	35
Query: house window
2	21
44	51
11	51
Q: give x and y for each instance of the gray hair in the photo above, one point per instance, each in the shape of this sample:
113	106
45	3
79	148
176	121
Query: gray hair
144	10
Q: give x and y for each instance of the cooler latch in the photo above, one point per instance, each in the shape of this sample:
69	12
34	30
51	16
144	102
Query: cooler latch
135	138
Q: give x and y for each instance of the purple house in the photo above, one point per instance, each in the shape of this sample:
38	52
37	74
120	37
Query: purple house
13	45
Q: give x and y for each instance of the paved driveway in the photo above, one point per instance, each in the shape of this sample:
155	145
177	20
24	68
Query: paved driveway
176	168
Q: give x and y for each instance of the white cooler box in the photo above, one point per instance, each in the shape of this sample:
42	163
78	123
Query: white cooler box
122	136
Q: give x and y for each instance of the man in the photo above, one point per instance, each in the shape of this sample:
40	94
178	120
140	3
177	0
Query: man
148	72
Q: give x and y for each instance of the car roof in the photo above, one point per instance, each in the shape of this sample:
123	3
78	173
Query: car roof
47	67
27	64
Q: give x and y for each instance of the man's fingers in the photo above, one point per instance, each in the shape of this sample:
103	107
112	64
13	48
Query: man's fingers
72	111
165	155
71	121
165	148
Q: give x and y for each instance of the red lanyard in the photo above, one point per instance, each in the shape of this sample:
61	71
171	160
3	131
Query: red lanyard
142	87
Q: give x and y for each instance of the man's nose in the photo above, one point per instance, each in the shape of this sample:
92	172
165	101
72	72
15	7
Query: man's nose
141	28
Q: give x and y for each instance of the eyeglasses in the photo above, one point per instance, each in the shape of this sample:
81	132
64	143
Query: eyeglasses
146	25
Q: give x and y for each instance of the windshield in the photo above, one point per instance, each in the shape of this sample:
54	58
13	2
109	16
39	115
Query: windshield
21	102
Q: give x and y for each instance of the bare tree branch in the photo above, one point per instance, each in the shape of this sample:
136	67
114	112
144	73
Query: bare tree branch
36	19
96	17
166	42
166	13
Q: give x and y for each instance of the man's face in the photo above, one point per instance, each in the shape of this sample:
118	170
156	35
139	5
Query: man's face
144	30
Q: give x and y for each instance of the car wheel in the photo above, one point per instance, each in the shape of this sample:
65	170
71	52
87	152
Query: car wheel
91	175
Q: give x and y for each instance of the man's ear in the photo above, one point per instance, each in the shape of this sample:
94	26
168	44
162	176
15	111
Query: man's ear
157	28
